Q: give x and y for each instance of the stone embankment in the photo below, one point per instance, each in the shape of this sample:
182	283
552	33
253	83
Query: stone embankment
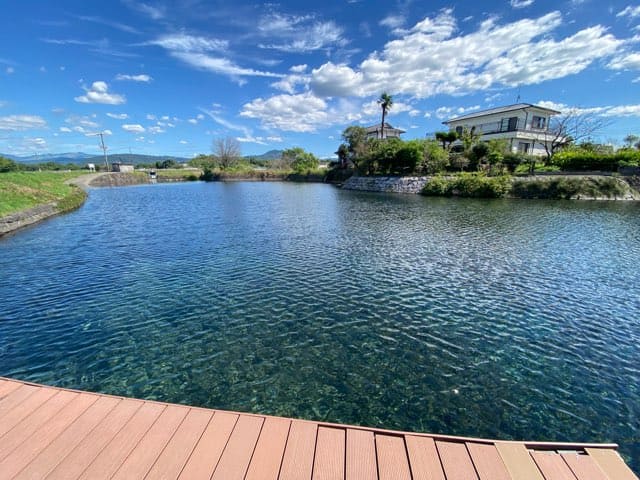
27	217
386	184
631	185
118	179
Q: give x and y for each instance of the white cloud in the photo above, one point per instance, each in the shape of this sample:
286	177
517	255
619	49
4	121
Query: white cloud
604	111
299	34
153	12
156	130
81	121
99	93
201	116
295	113
183	142
626	61
298	68
135	128
134	78
22	122
10	70
393	21
431	59
219	65
118	116
65	129
629	11
182	42
151	117
521	3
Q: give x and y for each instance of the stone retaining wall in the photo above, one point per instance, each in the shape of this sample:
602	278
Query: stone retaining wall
386	184
27	217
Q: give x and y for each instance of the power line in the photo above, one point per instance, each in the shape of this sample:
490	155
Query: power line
103	146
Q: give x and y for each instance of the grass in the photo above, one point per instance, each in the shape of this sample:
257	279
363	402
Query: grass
22	190
178	173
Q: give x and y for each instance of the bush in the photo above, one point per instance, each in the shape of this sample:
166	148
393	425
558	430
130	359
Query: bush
7	165
469	185
567	188
589	160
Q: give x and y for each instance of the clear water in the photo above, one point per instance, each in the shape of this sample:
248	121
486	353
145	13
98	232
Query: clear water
509	319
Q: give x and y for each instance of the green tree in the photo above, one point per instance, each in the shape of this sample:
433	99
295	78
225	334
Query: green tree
299	160
436	159
355	137
343	155
447	138
386	102
7	165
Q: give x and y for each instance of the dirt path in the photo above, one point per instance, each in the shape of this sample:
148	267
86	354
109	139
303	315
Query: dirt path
83	181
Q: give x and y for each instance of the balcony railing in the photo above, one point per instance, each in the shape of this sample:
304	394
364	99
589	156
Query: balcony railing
506	125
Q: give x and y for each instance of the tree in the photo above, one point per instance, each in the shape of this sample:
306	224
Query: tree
355	138
299	160
7	165
343	155
447	138
227	152
632	141
572	127
386	102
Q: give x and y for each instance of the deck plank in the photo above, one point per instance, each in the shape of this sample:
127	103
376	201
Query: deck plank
144	455
49	458
38	441
487	461
267	457
85	453
423	458
7	387
518	461
23	430
170	462
393	463
330	454
361	455
552	466
235	459
22	411
111	457
611	463
584	467
15	398
205	456
297	463
456	461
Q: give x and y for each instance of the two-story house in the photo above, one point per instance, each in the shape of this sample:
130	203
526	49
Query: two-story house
375	131
523	125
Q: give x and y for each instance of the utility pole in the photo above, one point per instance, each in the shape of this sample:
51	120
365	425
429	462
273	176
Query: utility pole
103	147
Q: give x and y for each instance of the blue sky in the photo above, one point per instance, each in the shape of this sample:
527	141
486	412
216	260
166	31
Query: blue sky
169	77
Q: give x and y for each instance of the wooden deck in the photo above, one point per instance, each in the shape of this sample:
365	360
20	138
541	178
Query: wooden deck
54	433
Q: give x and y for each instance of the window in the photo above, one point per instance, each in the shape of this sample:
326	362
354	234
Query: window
538	122
459	130
524	147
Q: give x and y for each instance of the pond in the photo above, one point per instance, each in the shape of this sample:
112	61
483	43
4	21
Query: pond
498	318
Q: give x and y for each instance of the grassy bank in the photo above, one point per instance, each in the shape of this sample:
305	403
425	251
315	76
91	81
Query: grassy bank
23	190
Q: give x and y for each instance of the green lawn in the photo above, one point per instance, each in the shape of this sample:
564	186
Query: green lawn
22	190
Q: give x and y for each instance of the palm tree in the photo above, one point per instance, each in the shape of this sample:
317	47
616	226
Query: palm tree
386	102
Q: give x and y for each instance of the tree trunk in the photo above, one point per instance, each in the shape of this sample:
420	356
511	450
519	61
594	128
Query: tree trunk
382	124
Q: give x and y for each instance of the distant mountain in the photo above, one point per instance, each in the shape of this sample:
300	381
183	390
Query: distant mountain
82	158
71	157
270	155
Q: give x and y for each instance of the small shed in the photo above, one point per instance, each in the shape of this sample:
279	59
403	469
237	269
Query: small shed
121	167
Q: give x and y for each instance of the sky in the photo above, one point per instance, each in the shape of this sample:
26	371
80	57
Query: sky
170	77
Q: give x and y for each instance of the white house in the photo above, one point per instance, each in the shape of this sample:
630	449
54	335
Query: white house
523	125
374	131
121	167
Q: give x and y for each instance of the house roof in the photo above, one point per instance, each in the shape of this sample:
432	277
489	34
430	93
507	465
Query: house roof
507	108
387	126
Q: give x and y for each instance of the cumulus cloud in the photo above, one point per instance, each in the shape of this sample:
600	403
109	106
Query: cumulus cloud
393	21
134	128
632	110
99	93
118	116
22	122
431	59
295	113
134	78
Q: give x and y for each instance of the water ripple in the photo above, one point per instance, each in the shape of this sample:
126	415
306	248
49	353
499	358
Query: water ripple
510	319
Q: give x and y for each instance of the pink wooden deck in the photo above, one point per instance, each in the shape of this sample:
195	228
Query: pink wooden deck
54	433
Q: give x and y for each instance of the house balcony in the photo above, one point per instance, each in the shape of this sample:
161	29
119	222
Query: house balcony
507	125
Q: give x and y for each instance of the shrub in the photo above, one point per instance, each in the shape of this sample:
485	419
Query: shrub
590	160
7	165
567	188
469	185
436	159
